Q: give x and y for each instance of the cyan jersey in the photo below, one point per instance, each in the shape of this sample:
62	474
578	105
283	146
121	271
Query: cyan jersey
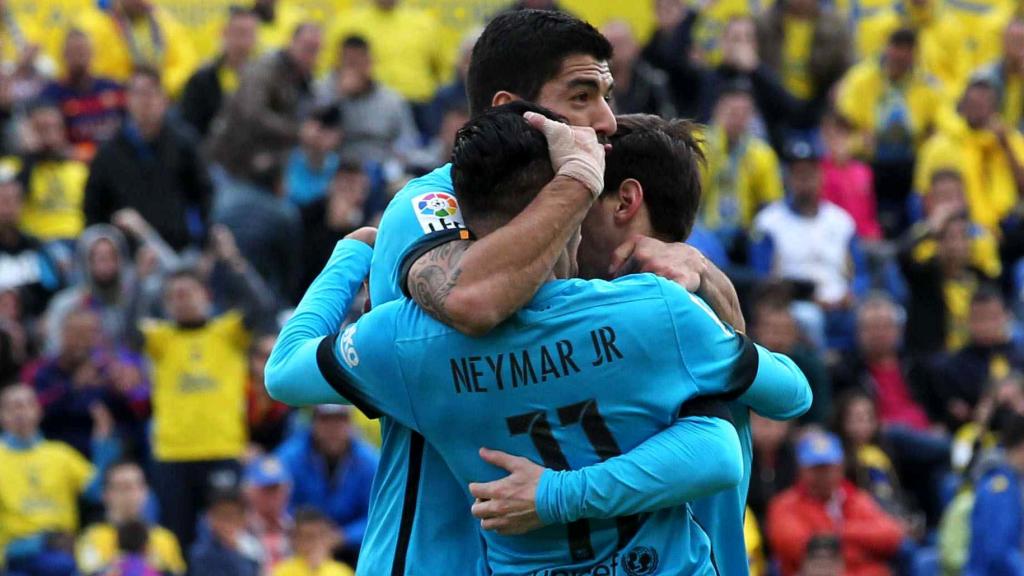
417	508
556	383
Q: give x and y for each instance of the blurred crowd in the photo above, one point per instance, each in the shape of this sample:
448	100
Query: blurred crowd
160	215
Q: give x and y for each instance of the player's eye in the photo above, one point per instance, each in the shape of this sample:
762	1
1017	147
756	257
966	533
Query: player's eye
581	97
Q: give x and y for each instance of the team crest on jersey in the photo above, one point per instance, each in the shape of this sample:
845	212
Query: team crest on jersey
640	561
348	347
437	211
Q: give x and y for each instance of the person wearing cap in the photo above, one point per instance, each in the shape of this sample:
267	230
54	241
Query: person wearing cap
742	172
332	471
893	106
823	503
988	153
812	243
267	489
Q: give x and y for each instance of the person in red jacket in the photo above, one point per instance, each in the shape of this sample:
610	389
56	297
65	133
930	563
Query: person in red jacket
823	502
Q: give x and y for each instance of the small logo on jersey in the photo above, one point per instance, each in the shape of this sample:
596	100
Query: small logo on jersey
437	211
640	561
348	347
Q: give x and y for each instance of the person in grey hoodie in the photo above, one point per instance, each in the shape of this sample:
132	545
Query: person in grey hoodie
108	283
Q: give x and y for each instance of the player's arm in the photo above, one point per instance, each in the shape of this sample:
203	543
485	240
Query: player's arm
475	285
312	363
753	375
684	265
697	456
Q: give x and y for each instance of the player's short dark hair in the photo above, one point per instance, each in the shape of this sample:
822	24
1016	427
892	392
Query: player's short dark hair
903	38
522	50
664	156
500	162
132	536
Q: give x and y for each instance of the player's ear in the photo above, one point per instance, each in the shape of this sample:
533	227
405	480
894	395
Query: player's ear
629	201
503	97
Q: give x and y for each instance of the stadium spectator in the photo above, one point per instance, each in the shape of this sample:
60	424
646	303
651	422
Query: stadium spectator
136	33
267	489
893	107
199	385
93	106
988	355
669	50
278	21
328	220
26	266
225	548
941	286
379	125
132	541
312	539
85	372
210	86
996	520
741	174
453	94
312	163
53	181
108	284
774	466
403	39
259	124
438	150
846	181
986	152
153	166
812	243
741	63
332	471
878	367
807	45
268	419
1006	75
943	51
868	465
639	87
42	483
823	502
947	188
775	328
28	43
125	497
267	228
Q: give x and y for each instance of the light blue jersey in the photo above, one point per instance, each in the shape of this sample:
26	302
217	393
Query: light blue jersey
418	506
398	360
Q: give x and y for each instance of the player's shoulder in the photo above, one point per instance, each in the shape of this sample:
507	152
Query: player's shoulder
404	320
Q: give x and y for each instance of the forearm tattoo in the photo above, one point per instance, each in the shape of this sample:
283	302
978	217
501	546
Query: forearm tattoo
434	276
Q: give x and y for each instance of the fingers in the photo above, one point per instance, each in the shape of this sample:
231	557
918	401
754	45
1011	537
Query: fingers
485	491
500	459
623	253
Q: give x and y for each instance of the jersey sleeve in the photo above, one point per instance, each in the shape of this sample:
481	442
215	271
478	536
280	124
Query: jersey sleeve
719	360
412	225
313	363
780	390
697	456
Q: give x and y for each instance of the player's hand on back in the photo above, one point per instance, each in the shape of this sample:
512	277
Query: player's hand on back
574	150
367	235
508	506
680	263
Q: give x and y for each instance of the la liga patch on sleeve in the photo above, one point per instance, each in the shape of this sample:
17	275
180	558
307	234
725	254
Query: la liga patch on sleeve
437	212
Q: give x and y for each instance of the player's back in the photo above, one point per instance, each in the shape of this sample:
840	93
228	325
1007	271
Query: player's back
586	371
